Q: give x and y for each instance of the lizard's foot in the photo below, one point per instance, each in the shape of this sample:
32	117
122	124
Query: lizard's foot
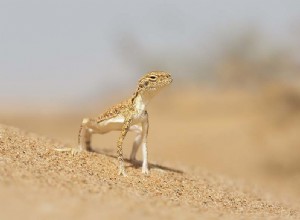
145	170
75	151
122	171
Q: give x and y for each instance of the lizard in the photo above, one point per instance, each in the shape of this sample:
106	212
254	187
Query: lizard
129	115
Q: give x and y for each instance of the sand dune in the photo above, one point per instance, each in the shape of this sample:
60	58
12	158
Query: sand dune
40	183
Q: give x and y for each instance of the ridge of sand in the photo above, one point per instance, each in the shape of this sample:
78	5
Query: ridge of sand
38	182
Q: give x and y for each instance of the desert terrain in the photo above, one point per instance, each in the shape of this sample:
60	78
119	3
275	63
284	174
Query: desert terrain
214	154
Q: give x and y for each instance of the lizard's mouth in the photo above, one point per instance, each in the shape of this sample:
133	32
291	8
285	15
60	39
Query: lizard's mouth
160	86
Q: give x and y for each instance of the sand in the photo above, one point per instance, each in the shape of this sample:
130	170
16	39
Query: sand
37	182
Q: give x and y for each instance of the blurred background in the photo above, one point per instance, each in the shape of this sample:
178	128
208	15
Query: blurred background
234	105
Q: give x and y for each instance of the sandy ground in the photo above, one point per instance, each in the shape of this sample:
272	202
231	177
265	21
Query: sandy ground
215	155
40	183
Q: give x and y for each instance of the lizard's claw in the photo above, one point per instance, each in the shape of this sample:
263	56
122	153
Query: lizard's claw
75	151
122	173
145	170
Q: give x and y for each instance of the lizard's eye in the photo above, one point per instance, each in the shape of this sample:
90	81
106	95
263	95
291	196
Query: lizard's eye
153	78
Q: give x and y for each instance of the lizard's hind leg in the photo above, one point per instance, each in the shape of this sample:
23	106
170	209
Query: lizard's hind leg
84	136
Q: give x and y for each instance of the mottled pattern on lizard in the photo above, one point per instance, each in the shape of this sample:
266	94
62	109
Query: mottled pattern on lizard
129	115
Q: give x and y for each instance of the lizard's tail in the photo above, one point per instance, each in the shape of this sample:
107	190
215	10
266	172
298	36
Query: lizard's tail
70	148
81	137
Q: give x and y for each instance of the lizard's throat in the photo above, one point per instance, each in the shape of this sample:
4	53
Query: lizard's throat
142	100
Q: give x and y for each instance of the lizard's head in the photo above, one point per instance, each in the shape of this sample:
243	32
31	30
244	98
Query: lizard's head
154	81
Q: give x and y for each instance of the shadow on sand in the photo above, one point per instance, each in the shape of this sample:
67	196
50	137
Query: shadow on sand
137	163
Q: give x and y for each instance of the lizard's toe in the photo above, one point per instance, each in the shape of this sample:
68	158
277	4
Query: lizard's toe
122	172
145	171
75	151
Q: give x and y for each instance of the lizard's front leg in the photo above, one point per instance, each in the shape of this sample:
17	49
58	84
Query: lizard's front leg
124	131
137	141
145	127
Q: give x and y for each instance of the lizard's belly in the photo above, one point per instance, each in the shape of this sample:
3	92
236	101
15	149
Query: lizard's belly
116	123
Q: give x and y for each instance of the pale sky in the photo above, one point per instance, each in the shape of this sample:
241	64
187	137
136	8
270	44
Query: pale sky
65	50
